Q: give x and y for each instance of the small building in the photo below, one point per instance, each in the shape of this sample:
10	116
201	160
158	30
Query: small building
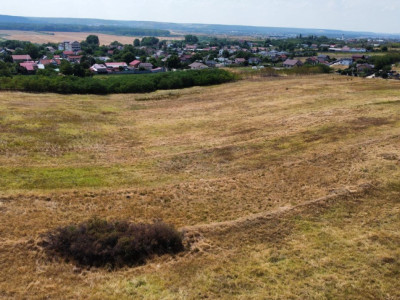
291	63
30	66
240	61
345	62
116	66
364	67
75	46
197	66
46	62
191	47
67	53
135	63
254	60
185	58
357	57
146	66
211	63
75	58
312	61
99	68
21	58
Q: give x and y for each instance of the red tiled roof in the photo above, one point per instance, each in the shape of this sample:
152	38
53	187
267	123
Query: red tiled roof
30	66
21	57
135	62
46	61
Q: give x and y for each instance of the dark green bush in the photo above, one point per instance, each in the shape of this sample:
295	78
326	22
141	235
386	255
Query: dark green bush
100	243
116	83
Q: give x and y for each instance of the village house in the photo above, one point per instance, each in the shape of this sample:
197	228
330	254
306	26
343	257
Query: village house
357	57
70	46
30	66
50	49
345	62
116	66
254	60
135	63
66	54
197	66
291	63
364	67
240	61
99	69
312	61
186	58
21	58
74	58
46	62
103	58
211	63
191	47
146	66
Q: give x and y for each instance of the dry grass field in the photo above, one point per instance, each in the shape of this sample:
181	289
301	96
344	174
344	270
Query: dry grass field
286	188
56	37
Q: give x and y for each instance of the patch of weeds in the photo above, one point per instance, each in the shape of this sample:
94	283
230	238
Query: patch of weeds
112	244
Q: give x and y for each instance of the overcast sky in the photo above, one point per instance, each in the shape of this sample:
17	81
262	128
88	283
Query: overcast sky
359	15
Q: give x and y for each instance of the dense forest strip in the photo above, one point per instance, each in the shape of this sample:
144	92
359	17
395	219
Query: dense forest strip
116	84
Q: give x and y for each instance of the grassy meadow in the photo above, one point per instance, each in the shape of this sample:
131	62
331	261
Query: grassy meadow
235	166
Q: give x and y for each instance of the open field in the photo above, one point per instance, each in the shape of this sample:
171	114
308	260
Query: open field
234	165
56	37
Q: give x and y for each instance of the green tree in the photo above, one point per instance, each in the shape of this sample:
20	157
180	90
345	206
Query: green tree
66	68
128	57
32	50
79	70
173	62
136	43
191	39
149	41
93	40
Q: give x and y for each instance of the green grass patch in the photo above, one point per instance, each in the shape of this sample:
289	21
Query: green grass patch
65	177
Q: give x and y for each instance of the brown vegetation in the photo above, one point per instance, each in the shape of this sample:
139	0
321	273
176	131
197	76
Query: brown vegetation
202	156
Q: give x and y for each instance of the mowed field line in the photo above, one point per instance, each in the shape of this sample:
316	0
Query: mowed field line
242	221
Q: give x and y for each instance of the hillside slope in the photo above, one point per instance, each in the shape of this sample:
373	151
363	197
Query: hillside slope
236	166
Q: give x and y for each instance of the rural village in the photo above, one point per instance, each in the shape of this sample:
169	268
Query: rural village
150	55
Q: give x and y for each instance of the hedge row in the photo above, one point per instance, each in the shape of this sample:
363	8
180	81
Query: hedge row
115	84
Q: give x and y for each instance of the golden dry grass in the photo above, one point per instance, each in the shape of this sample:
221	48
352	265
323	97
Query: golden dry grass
206	155
57	37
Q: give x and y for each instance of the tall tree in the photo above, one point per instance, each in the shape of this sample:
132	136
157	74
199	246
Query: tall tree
191	39
93	40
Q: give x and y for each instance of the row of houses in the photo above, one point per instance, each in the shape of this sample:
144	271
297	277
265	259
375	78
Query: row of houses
122	67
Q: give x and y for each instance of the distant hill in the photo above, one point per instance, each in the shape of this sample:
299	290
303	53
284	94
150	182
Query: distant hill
38	24
96	24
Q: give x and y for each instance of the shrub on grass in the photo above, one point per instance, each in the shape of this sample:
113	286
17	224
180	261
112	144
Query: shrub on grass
100	243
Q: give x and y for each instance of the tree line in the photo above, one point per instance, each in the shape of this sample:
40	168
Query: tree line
116	83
